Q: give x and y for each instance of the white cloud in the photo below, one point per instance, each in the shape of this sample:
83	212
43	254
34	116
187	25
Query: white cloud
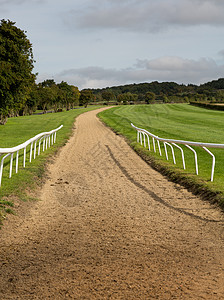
161	69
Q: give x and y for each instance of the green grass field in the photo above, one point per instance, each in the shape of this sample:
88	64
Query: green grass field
176	121
19	130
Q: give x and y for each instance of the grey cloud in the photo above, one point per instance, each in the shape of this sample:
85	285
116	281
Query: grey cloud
147	15
162	69
221	53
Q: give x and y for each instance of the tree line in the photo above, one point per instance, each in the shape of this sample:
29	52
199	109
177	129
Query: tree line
162	92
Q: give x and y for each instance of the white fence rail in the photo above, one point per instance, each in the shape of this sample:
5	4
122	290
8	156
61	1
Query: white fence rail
143	135
45	138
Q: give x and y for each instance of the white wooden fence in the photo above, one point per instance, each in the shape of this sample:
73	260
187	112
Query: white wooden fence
143	135
45	138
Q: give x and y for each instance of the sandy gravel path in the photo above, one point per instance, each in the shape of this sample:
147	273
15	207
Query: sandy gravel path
107	226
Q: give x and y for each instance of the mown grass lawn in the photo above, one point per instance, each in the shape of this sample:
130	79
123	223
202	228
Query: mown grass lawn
176	121
19	130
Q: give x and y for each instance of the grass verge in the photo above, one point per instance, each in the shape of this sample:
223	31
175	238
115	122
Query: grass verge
177	121
17	131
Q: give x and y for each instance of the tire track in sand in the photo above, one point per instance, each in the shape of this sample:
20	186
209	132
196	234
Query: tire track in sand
107	226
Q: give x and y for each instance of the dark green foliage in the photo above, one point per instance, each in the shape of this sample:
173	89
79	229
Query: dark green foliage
168	88
50	95
167	92
108	95
85	97
68	95
127	97
16	65
214	84
149	97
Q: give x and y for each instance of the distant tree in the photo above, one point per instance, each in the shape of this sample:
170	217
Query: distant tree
54	99
133	97
149	97
186	99
31	102
46	97
220	95
76	95
108	95
141	97
98	97
119	98
165	99
127	97
67	94
16	65
86	96
50	95
122	98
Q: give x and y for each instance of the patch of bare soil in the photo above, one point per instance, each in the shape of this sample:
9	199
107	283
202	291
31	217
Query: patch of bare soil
107	226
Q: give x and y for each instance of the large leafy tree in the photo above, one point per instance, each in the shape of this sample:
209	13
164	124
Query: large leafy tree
67	95
108	95
76	95
86	96
149	97
49	95
16	65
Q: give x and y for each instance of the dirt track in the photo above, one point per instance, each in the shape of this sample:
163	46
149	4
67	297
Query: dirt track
107	226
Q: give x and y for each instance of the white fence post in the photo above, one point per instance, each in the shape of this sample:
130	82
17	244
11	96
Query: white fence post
17	161
213	162
182	154
195	158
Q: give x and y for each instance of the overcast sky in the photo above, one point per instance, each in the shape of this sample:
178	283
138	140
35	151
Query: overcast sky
100	43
